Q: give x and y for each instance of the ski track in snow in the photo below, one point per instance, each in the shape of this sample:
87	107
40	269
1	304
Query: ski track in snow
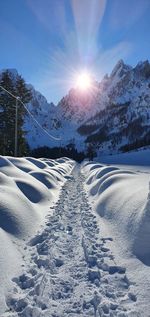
72	271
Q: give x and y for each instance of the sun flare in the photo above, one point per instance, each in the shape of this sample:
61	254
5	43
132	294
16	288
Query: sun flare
83	81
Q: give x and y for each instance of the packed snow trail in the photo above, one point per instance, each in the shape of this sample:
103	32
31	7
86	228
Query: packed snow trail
71	271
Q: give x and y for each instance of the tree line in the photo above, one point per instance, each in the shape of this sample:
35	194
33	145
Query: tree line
69	151
16	86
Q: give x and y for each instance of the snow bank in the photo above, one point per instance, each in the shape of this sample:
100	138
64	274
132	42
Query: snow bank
28	187
141	244
122	198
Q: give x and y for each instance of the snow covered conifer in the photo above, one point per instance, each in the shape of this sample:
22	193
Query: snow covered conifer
7	115
24	95
18	88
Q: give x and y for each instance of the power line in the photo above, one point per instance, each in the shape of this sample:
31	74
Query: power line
17	98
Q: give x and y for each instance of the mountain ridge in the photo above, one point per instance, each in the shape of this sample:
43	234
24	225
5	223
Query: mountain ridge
113	114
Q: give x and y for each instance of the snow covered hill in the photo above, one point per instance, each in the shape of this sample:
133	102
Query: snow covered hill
114	115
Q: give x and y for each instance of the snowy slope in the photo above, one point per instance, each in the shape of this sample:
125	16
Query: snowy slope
135	158
120	196
79	251
28	187
65	271
46	115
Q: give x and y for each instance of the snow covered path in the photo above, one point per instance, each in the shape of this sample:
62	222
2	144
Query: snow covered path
72	271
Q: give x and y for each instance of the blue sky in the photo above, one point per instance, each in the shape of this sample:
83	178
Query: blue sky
49	41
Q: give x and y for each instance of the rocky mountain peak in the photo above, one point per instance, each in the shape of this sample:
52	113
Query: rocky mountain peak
143	69
120	69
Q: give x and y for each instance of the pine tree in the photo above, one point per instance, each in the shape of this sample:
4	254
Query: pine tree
24	95
8	113
91	153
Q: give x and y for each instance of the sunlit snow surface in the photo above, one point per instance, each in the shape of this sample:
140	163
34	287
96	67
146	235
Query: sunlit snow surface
74	240
28	187
119	191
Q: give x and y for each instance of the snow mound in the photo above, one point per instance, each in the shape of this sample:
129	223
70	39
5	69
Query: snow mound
23	164
4	162
34	191
26	184
50	163
141	244
62	160
16	212
119	196
28	187
45	178
36	162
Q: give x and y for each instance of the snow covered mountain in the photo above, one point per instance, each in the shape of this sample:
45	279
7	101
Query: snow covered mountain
113	115
120	110
45	114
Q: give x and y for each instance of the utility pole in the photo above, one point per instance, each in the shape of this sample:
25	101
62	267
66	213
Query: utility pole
16	128
60	148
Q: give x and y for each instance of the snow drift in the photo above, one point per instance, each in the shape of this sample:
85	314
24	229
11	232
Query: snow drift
122	198
28	187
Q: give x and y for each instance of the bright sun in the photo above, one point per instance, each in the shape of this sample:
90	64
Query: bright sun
83	81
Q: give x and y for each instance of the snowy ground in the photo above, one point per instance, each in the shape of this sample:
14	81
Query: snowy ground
134	159
119	192
82	249
28	187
